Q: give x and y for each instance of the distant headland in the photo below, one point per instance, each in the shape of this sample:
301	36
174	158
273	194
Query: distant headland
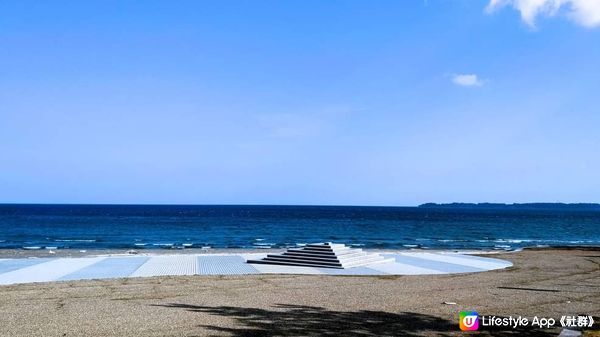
535	205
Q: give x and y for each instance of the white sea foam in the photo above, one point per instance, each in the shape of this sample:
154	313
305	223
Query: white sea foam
263	244
74	240
163	244
513	240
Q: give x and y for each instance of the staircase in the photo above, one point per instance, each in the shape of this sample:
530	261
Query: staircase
323	255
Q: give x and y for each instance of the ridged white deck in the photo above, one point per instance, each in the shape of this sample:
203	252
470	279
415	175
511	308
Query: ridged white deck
30	270
323	255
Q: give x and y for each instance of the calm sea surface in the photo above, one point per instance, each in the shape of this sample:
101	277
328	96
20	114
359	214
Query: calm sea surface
161	227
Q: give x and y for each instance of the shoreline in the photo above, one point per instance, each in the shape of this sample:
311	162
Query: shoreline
49	253
542	282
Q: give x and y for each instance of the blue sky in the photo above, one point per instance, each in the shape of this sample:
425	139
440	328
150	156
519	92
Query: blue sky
299	102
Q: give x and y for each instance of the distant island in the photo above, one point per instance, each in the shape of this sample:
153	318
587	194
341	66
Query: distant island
535	205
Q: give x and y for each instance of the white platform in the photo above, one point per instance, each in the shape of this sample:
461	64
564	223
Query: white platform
323	255
30	270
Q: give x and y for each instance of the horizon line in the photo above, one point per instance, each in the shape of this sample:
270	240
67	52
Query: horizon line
455	203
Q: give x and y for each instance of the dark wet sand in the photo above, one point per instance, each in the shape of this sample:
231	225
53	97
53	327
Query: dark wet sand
546	283
23	253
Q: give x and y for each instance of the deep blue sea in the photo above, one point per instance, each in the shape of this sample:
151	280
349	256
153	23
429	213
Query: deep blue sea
169	227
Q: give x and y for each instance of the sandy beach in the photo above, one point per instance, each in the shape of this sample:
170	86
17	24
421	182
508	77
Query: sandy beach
547	283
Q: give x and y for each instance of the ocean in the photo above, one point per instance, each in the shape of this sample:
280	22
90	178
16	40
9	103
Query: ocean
171	227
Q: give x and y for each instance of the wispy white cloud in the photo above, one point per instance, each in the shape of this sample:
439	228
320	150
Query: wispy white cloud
583	12
312	122
467	80
288	125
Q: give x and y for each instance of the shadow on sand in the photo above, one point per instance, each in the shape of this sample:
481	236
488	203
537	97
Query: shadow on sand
296	320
